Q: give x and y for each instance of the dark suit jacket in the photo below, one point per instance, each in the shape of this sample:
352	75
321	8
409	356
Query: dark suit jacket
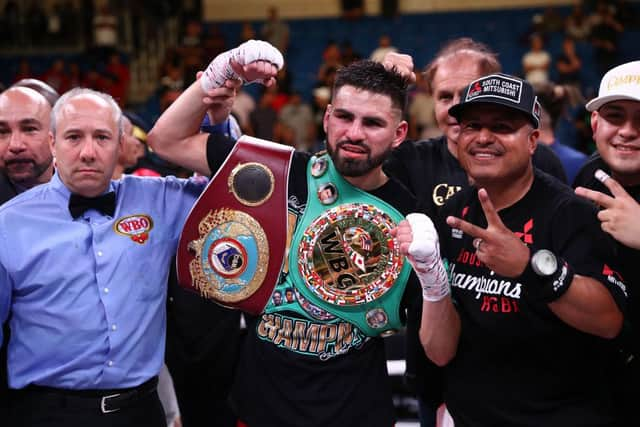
7	190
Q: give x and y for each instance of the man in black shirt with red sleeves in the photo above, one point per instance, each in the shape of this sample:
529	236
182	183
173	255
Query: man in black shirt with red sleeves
524	318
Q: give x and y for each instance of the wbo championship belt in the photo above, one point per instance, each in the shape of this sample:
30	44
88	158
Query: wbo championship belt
343	258
233	243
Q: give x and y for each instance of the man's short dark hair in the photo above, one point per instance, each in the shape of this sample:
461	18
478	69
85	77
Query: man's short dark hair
374	77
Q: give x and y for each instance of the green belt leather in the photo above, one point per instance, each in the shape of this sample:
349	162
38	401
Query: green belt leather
343	258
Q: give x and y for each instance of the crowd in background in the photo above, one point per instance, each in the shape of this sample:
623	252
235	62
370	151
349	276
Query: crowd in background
281	113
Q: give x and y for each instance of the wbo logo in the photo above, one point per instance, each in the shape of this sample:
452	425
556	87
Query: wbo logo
228	257
136	227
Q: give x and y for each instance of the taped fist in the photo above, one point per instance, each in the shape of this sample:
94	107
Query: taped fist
418	240
252	61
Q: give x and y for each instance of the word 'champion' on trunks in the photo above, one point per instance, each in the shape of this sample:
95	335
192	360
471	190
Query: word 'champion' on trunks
322	339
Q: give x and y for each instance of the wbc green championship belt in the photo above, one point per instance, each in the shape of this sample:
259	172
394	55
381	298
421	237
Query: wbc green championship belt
343	258
233	243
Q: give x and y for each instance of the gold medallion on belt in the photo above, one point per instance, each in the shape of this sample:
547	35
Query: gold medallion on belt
231	256
347	256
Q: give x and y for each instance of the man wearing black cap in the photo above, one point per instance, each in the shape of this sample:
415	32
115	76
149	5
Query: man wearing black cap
523	320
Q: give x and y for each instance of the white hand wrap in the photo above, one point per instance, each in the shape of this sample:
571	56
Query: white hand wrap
219	70
424	255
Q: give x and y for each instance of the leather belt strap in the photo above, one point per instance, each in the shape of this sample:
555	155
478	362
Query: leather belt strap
106	401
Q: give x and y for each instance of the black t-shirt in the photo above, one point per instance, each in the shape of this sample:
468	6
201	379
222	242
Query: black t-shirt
432	174
7	189
516	362
628	258
628	261
7	192
304	371
428	170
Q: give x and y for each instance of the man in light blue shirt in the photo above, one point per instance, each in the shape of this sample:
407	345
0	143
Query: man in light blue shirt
83	270
86	288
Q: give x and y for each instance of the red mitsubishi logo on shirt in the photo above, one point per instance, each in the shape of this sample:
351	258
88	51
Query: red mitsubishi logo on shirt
608	271
525	235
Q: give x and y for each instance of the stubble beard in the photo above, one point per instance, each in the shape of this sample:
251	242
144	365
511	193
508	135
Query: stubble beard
355	168
32	177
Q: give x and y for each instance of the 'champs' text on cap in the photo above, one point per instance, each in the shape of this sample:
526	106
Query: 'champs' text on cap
619	83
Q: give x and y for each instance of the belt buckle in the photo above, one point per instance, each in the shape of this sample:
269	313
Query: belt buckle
103	403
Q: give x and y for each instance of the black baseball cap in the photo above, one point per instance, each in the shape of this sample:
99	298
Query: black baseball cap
500	89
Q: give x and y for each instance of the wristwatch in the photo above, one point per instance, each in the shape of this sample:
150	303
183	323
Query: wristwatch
544	263
546	277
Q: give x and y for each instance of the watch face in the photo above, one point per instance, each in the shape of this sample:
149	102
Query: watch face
544	263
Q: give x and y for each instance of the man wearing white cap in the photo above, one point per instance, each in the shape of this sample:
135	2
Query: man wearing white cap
615	120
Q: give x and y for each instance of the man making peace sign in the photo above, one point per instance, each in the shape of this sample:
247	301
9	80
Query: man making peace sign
524	322
615	122
620	212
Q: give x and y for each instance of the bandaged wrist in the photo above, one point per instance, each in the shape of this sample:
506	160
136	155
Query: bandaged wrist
424	255
219	70
434	282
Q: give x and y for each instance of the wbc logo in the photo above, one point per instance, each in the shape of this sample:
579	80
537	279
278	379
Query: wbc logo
136	227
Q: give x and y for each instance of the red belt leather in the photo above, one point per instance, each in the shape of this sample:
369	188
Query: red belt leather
233	243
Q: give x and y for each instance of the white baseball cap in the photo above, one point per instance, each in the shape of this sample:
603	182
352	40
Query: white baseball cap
620	83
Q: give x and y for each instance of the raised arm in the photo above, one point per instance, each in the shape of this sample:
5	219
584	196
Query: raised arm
176	135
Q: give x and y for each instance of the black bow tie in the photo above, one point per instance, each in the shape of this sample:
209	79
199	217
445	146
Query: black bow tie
105	203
